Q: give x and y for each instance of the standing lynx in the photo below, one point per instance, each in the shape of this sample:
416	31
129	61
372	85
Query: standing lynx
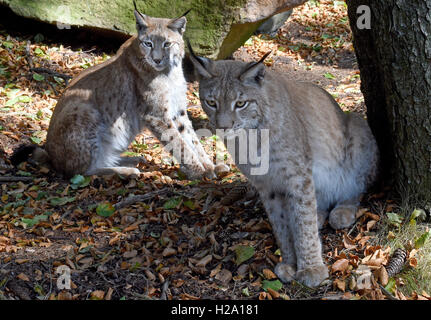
320	159
106	106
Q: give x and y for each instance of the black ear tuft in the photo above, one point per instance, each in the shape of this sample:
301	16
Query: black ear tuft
264	57
141	23
134	4
179	24
185	13
202	65
255	71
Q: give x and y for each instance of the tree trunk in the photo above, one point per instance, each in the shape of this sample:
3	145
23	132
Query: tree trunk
394	57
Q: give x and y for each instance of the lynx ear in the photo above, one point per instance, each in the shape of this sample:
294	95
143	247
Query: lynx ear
179	24
255	71
141	19
202	65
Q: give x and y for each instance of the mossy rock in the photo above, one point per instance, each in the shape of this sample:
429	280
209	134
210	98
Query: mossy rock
215	28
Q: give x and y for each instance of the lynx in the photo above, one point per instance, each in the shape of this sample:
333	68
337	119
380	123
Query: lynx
320	159
106	106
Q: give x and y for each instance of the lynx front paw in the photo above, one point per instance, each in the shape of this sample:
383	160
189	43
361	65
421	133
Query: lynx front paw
195	172
210	169
312	276
285	272
321	218
221	169
342	217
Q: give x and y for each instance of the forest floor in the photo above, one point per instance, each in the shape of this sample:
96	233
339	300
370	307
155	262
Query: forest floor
183	239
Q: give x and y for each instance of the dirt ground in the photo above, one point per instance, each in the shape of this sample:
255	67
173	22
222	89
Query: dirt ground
187	239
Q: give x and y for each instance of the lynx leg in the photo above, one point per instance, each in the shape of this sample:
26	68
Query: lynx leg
131	161
344	214
71	142
186	130
303	223
124	171
286	269
322	215
167	131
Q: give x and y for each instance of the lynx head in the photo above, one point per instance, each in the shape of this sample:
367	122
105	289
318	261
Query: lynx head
231	91
161	40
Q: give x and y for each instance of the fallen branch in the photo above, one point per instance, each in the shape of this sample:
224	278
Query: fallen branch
46	71
15	179
387	293
28	55
139	198
52	73
164	294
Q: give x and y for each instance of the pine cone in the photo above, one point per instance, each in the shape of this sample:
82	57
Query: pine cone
396	262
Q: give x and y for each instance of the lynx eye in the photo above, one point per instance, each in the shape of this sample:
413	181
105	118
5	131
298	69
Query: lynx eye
211	103
148	44
167	44
240	104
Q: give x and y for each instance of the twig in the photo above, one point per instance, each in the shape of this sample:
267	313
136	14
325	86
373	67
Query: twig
141	296
28	55
139	198
387	293
52	73
50	279
15	179
351	229
66	214
43	70
164	295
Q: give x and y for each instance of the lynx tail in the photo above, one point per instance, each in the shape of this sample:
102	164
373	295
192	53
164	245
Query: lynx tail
23	152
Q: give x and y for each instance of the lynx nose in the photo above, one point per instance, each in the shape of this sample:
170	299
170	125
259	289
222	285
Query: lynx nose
224	122
157	61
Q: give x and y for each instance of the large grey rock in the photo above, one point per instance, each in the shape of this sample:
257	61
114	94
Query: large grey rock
215	28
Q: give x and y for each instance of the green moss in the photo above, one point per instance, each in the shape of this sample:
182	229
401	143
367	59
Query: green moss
214	26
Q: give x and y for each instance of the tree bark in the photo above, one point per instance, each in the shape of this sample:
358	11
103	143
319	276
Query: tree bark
394	60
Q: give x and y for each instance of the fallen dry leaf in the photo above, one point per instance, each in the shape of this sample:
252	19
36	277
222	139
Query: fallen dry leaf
348	242
340	265
169	252
97	295
413	262
204	261
273	293
109	294
381	275
224	276
269	274
340	284
64	295
364	278
23	276
371	224
215	270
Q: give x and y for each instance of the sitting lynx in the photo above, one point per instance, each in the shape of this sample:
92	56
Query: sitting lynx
320	159
106	106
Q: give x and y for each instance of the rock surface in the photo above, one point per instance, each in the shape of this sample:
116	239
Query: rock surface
215	28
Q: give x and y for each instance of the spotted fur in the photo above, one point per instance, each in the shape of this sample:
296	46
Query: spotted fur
106	106
320	159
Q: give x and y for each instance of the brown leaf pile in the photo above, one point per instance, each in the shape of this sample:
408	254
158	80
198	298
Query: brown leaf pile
181	243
